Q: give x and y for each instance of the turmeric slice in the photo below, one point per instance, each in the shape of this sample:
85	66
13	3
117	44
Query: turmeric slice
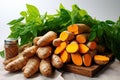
87	60
76	59
66	36
78	28
65	57
83	48
60	48
101	59
72	47
92	45
82	38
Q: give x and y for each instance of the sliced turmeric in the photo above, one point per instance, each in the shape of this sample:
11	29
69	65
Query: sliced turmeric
65	57
78	28
66	36
92	45
83	48
60	48
82	38
101	59
87	59
77	59
72	47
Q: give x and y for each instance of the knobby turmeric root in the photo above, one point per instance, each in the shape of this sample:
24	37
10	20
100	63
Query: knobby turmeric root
77	59
32	66
72	47
47	39
56	61
78	28
56	42
66	36
44	52
36	39
17	64
101	59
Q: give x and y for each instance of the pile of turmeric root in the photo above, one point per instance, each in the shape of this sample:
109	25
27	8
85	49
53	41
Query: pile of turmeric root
51	51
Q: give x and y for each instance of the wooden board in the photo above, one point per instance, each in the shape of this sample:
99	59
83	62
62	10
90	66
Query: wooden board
88	71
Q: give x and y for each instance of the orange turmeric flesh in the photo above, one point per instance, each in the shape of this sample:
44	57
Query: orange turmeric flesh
76	59
60	48
83	48
87	59
65	56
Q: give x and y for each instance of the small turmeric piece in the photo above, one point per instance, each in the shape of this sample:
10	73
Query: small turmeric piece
83	48
78	28
65	57
36	39
77	59
101	59
66	36
92	45
56	42
87	60
72	47
82	38
60	48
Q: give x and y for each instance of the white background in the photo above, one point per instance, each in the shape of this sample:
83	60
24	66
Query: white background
100	9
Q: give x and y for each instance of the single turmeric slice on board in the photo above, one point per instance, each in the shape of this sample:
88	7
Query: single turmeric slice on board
101	59
76	59
72	47
60	48
87	60
66	36
82	38
83	48
78	28
65	57
92	45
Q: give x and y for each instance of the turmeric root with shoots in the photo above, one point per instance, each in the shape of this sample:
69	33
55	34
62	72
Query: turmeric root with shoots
78	28
66	36
32	66
77	59
72	47
47	39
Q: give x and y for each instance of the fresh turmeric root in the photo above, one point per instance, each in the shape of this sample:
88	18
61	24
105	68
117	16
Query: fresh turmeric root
17	64
60	48
66	36
77	59
92	45
31	67
78	28
47	39
83	48
87	60
36	39
56	42
72	47
82	38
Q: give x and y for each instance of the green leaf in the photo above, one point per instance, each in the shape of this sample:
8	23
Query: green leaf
23	13
92	36
16	21
83	12
2	53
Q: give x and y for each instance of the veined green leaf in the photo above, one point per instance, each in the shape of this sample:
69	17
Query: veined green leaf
23	13
16	21
92	36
